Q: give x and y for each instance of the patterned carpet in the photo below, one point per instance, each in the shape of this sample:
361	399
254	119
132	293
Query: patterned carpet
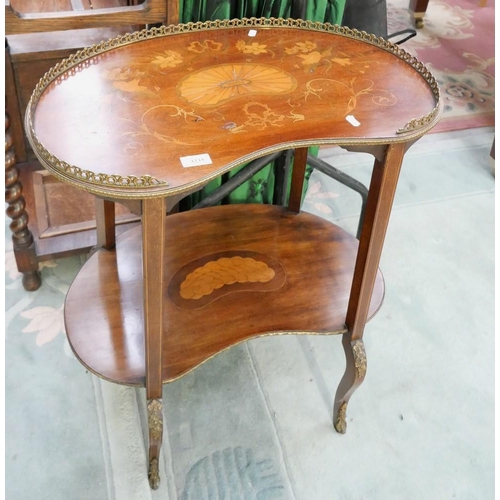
457	45
258	417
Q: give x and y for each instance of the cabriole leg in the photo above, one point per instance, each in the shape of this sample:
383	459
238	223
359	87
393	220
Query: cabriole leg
378	208
353	377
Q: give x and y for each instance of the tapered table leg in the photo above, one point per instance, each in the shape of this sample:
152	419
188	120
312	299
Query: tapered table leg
378	208
105	223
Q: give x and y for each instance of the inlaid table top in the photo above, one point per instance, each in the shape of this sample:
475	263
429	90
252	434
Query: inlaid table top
163	111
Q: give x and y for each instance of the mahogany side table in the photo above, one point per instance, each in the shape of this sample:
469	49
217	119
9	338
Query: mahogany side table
147	118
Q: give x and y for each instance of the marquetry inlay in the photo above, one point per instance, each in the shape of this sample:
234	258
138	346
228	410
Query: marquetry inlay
213	86
234	90
213	276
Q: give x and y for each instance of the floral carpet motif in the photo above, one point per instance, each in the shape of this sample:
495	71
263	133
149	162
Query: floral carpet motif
457	45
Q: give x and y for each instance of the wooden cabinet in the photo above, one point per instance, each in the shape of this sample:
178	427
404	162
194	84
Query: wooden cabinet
49	219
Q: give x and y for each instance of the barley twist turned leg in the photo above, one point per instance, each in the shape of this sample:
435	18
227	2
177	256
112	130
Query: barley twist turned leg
24	246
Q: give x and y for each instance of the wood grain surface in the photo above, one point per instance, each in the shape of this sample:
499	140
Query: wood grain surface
231	94
55	15
317	260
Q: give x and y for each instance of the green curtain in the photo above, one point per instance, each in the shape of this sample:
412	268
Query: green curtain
328	11
260	188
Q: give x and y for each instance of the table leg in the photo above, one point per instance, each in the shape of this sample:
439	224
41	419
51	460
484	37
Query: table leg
153	244
492	157
105	223
22	238
419	8
378	208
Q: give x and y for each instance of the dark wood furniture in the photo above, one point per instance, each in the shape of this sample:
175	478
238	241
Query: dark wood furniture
61	219
171	108
419	8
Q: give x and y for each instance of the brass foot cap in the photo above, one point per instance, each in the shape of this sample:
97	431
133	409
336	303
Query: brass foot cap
154	474
340	426
340	423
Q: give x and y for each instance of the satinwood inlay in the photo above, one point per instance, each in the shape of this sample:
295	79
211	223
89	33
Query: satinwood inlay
224	82
210	277
225	271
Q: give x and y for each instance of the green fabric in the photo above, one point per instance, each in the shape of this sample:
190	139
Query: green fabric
258	189
328	11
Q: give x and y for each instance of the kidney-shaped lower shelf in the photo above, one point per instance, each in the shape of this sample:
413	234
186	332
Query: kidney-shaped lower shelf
231	273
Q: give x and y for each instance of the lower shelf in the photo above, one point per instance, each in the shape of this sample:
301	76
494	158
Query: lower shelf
231	273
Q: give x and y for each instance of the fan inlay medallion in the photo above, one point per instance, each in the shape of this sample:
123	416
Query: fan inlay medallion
218	84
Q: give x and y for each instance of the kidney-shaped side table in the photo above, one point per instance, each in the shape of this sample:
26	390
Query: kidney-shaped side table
150	117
